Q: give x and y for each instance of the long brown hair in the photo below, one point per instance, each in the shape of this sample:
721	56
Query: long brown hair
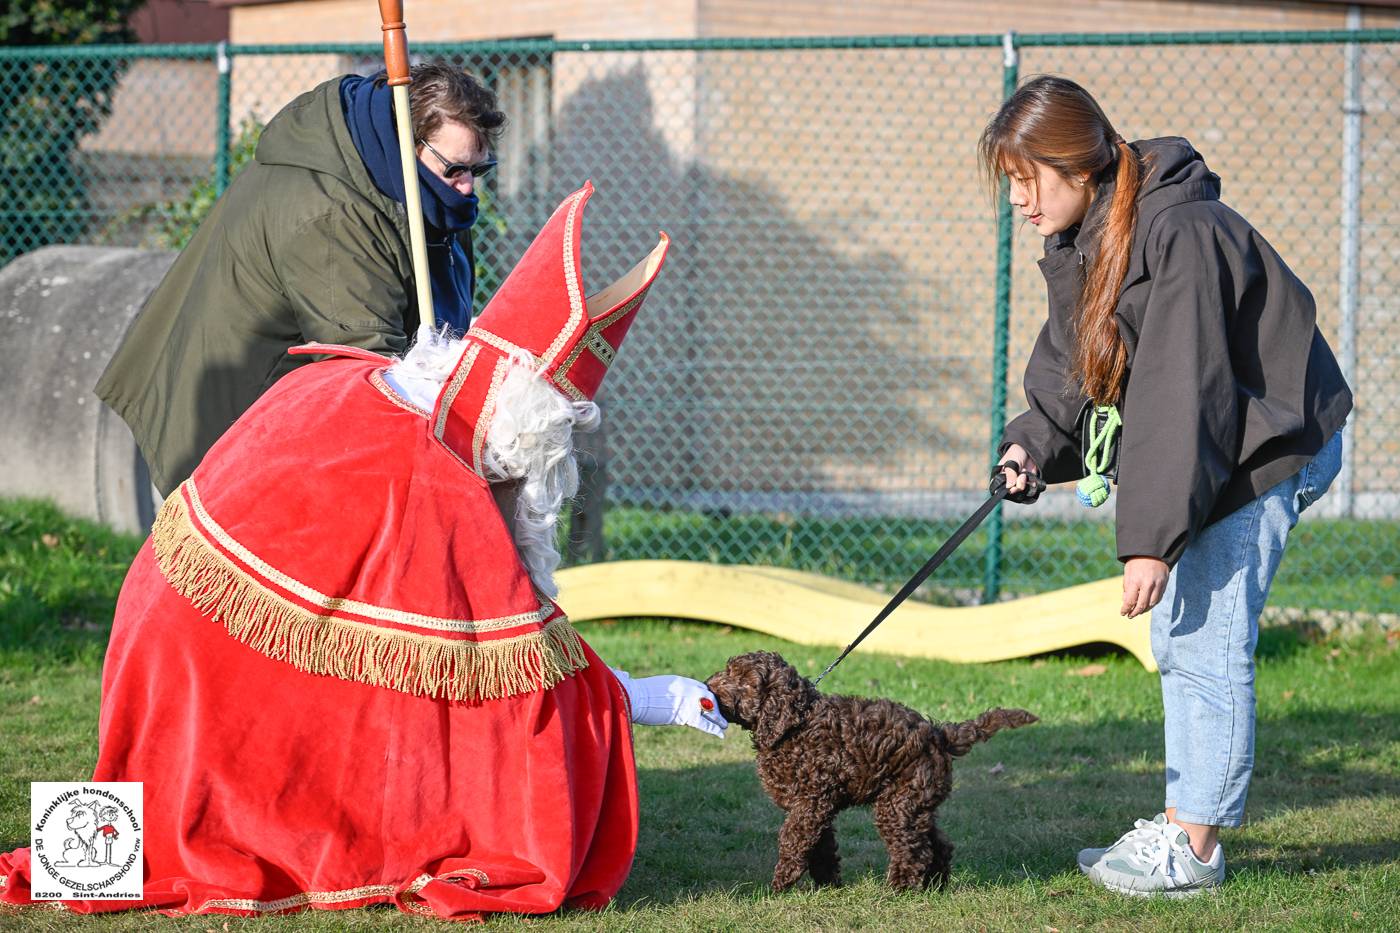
1056	122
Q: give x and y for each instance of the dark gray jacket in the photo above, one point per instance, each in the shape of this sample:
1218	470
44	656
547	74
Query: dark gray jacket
1231	388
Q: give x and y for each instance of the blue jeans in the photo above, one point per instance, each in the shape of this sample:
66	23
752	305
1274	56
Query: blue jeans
1203	636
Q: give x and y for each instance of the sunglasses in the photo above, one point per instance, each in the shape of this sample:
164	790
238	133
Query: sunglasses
458	169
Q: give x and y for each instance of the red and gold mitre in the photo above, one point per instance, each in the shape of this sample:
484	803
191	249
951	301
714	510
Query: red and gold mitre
540	311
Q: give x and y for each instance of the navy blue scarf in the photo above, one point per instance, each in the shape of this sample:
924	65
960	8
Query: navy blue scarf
369	114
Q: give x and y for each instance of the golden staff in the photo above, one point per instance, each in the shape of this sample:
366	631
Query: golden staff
396	65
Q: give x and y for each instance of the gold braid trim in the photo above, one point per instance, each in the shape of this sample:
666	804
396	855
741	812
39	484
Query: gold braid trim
356	651
304	899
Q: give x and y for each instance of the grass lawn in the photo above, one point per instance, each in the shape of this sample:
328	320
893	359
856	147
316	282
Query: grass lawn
1321	851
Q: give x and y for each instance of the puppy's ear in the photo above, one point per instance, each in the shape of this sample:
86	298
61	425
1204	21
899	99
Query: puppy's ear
786	699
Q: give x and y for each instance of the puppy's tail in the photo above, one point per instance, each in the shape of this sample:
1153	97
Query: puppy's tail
961	736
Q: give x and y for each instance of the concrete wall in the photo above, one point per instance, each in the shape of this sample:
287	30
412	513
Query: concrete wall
63	309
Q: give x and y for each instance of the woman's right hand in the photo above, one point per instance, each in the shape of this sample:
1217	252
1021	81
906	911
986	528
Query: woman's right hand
1018	483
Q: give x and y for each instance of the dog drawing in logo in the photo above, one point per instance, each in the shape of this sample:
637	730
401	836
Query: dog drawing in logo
82	845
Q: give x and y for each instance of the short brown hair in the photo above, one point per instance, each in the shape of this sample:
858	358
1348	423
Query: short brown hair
442	91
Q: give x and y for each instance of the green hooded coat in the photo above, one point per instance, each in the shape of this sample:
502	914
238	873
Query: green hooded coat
302	247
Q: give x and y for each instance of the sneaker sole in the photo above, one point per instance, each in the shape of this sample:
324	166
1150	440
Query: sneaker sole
1169	893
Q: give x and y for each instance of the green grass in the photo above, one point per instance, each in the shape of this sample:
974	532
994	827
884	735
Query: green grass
1321	851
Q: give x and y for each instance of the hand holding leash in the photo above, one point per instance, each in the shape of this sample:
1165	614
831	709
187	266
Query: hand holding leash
1026	486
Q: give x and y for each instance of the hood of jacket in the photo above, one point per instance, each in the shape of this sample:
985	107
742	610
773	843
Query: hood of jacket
1175	174
311	133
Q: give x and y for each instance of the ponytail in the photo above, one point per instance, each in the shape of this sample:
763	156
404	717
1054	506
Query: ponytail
1053	121
1100	358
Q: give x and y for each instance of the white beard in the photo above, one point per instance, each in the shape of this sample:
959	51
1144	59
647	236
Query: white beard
530	440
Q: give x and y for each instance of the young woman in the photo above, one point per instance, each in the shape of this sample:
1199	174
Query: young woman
1168	305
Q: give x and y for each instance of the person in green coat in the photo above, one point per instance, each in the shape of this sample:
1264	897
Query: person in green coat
309	243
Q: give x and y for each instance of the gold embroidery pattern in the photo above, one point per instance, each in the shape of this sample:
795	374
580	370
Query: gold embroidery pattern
328	604
377	379
570	281
595	334
354	651
500	343
449	395
595	341
571	390
298	900
483	420
626	309
418	905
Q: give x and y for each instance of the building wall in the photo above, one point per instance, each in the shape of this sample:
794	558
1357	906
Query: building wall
834	247
949	17
910	224
261	85
450	20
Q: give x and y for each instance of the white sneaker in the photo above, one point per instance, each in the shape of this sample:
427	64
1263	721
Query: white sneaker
1142	829
1161	863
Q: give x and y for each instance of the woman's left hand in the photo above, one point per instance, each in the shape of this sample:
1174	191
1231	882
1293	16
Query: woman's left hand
1144	582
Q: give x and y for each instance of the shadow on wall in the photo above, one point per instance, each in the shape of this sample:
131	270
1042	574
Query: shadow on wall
768	360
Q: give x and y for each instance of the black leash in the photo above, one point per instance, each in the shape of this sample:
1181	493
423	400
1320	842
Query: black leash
998	490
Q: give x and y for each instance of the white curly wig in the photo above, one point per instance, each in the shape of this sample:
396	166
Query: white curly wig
530	439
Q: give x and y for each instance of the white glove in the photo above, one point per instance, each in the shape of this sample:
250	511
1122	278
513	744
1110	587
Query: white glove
671	700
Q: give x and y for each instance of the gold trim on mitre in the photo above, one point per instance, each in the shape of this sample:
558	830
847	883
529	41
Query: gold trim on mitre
571	275
320	643
636	282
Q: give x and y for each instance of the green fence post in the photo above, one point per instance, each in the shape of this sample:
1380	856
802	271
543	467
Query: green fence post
991	580
221	140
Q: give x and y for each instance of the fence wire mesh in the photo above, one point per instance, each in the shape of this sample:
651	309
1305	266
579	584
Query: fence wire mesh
811	384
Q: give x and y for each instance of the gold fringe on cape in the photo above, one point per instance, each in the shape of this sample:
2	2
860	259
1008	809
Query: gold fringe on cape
357	651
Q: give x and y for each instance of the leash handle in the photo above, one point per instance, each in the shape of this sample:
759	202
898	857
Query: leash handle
1034	484
932	564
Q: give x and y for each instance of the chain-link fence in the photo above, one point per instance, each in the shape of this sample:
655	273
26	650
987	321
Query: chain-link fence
821	371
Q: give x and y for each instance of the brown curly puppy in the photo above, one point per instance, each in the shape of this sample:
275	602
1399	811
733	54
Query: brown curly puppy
819	754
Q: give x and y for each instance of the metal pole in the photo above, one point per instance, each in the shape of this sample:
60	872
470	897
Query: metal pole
991	579
222	134
397	68
1349	286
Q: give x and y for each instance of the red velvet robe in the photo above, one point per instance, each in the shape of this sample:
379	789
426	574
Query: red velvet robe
334	678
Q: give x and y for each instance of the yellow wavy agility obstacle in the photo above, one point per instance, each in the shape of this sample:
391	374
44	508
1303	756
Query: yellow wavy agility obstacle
814	610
